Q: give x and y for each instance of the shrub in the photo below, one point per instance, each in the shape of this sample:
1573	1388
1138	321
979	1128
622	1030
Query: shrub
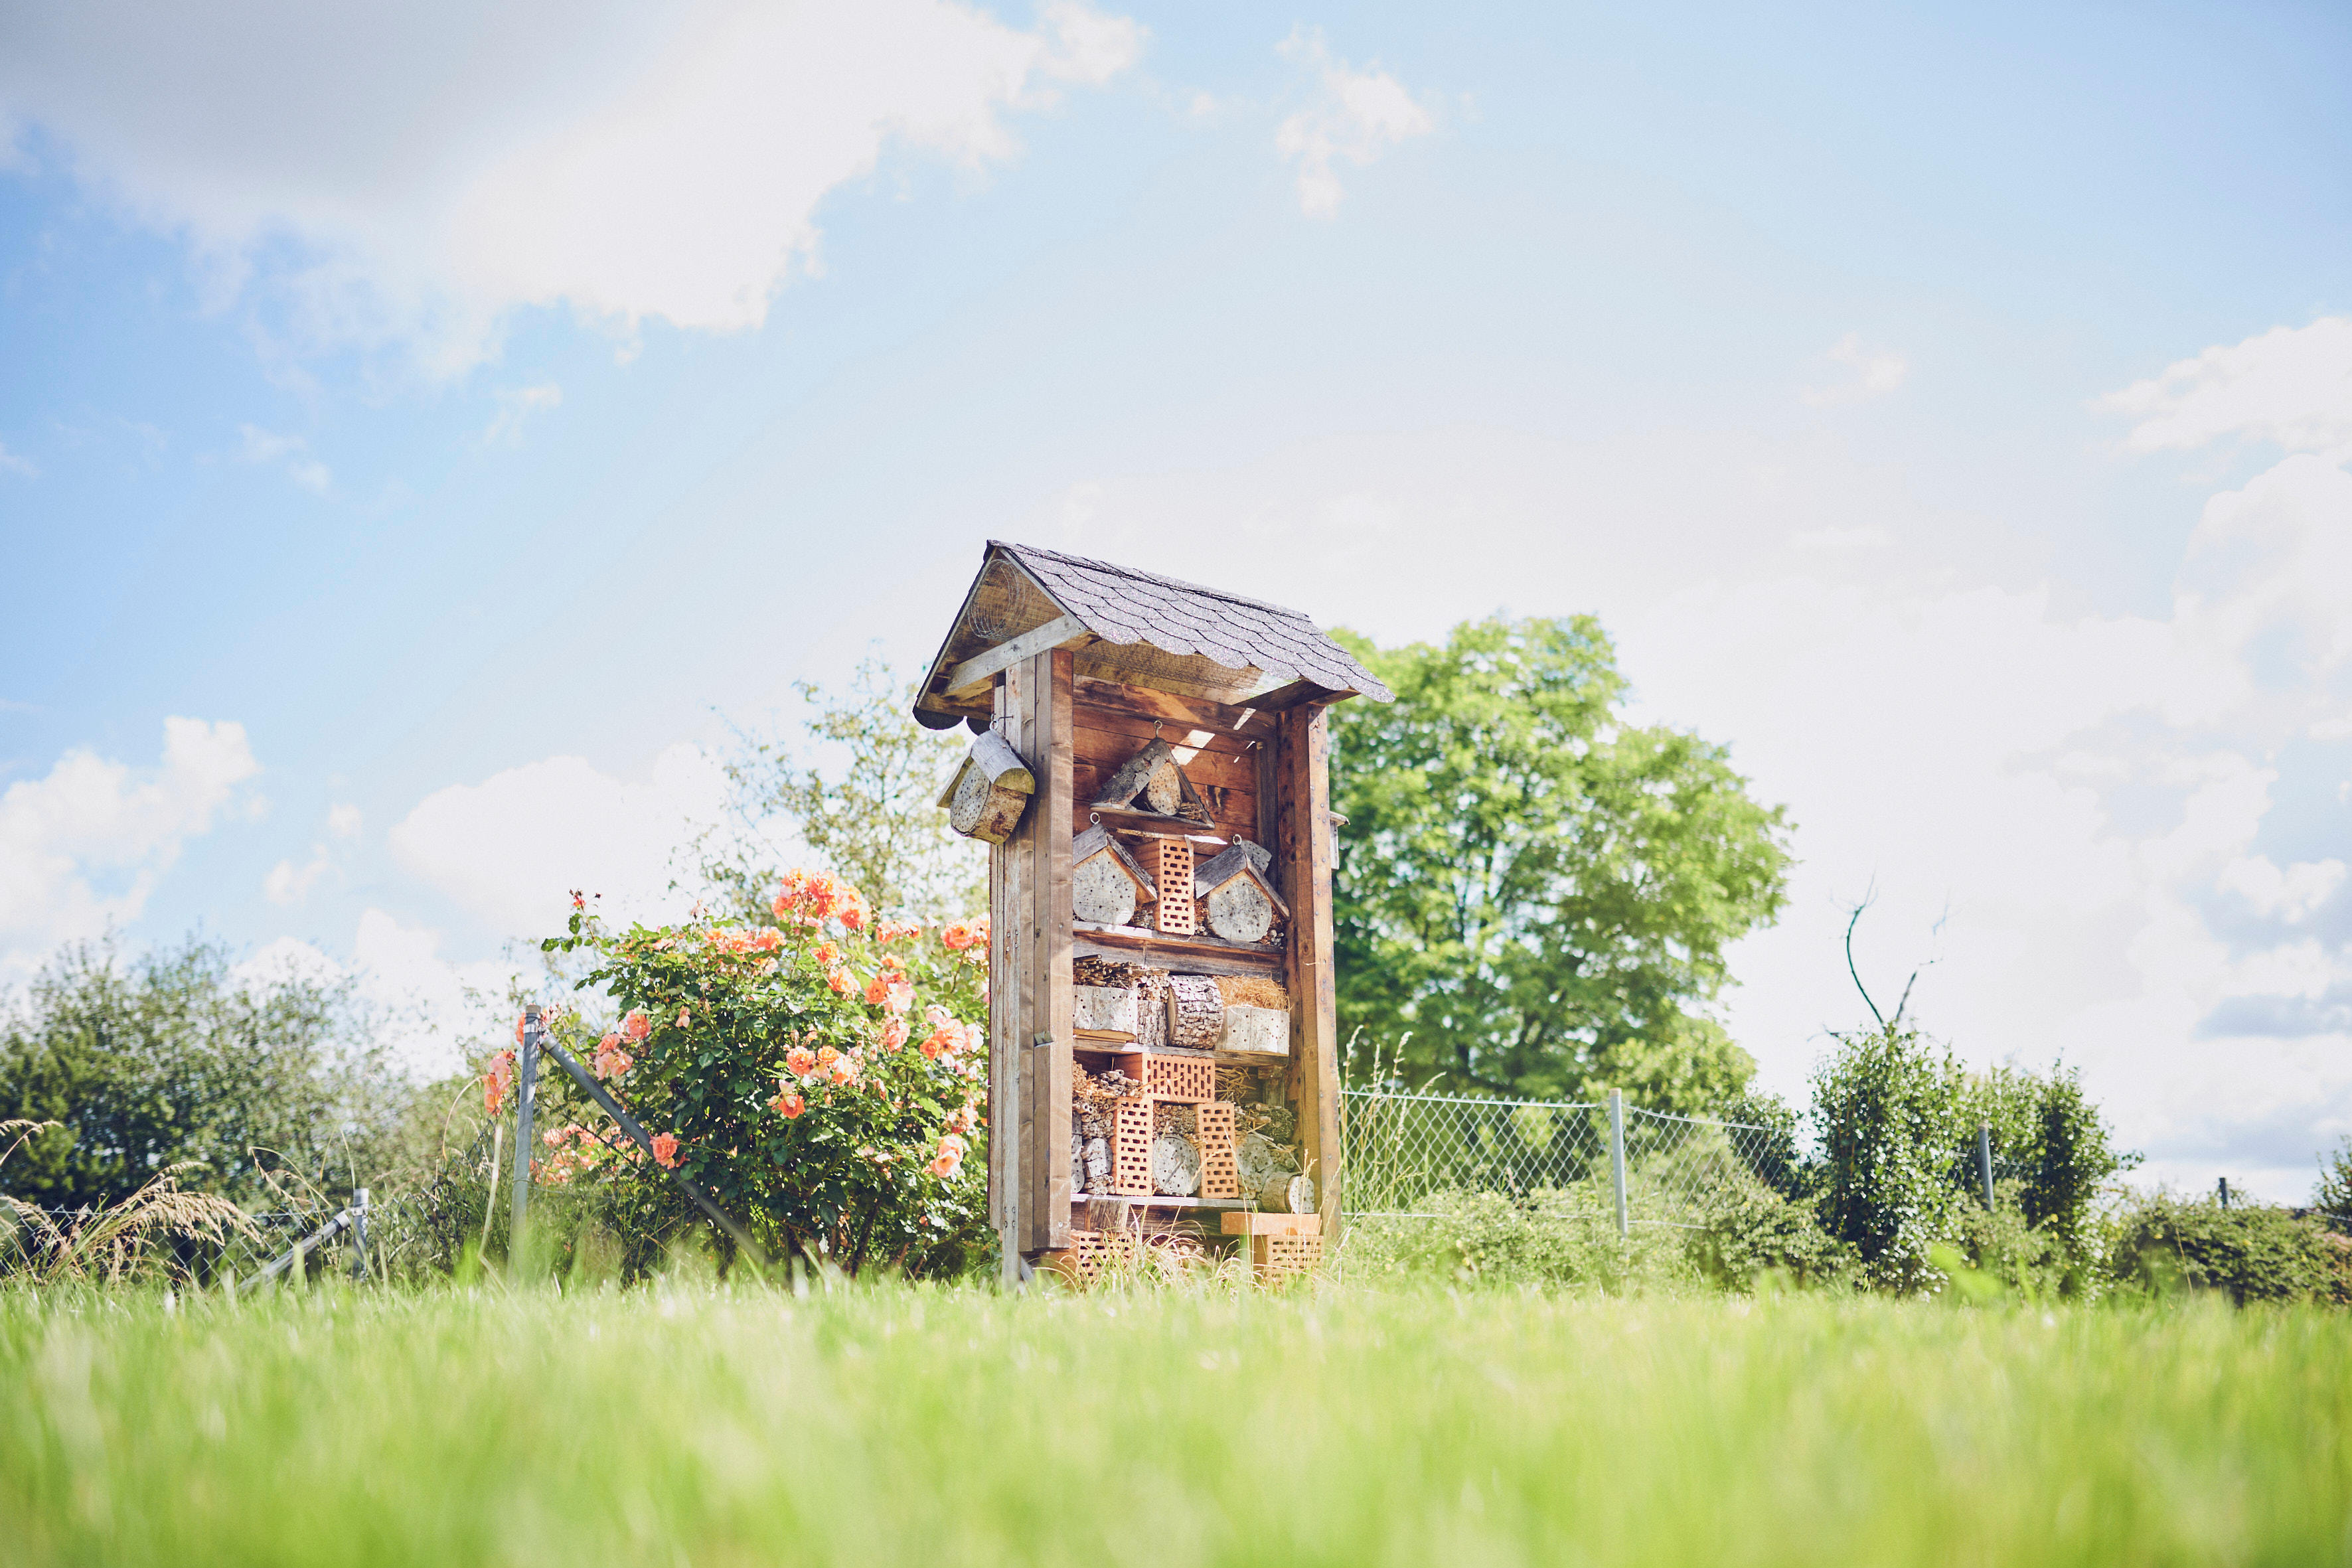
1556	1238
2254	1253
2051	1142
1752	1231
1888	1111
2333	1197
174	1059
820	1077
2004	1246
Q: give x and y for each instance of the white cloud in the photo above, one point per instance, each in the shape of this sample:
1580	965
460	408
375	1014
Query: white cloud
267	448
433	1006
509	849
1875	372
2092	803
2291	385
343	821
290	884
1356	116
438	165
87	845
517	404
11	463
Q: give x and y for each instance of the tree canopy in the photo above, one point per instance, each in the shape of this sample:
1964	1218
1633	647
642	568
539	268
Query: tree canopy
175	1056
1538	891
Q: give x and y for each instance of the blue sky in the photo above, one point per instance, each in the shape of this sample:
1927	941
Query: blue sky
417	444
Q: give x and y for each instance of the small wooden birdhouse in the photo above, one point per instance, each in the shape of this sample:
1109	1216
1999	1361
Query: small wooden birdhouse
990	791
1236	896
1107	883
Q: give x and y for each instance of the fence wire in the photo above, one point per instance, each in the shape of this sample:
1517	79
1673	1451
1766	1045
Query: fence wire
425	1222
1408	1155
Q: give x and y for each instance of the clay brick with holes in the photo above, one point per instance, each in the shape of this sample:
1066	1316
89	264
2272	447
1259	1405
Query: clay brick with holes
1130	1148
1275	1259
1094	1253
1188	1080
1171	865
1221	1171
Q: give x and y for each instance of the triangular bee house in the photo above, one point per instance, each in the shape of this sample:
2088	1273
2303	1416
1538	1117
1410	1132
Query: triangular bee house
1238	902
1166	731
1153	786
1107	883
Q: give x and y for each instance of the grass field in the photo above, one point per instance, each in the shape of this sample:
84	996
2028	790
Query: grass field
713	1426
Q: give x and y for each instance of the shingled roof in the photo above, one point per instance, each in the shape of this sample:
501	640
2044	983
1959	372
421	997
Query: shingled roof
1143	628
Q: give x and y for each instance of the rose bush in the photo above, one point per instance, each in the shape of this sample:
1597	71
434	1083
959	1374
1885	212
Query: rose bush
824	1078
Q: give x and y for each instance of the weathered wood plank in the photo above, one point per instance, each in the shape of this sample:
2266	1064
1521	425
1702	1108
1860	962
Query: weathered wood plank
1148	703
1110	750
1045	1150
1197	955
968	679
1302	764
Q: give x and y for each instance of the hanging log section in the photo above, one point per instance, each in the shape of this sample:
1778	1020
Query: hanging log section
990	791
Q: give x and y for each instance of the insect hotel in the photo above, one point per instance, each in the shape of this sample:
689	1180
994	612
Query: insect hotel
1150	772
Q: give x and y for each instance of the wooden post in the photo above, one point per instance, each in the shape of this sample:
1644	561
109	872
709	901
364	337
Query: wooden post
1030	1016
1303	739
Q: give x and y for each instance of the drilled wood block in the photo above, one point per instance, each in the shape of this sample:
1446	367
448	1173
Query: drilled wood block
1220	1171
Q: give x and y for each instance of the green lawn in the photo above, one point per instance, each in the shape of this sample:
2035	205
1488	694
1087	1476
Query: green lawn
691	1425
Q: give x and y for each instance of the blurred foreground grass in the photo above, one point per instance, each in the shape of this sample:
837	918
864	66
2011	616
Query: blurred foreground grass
700	1425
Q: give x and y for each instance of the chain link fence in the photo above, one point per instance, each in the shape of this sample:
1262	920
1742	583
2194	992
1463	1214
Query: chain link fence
418	1226
1406	1151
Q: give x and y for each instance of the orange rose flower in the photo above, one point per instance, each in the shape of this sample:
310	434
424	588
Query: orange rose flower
894	1034
636	1026
957	936
800	1061
666	1150
789	1105
838	978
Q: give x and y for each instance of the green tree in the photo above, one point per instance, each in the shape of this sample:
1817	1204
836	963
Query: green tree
877	824
2333	1198
1538	891
173	1057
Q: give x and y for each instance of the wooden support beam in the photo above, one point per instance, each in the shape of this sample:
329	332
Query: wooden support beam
1047	1026
1302	777
974	674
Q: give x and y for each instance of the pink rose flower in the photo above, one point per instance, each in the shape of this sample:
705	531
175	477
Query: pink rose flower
666	1150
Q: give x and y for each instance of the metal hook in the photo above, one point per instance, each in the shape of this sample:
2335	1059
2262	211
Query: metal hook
1155	729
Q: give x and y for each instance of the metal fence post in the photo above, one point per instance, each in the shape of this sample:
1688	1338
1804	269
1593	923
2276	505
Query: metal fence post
1984	1160
359	1233
1617	1153
526	1085
2224	1190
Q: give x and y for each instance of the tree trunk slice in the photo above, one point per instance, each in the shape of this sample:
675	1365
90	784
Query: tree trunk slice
1165	790
984	811
1175	1166
1240	911
1102	892
1288	1194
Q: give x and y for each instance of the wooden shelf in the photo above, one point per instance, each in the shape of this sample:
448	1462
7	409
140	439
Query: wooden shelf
1193	955
1077	1199
1126	819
